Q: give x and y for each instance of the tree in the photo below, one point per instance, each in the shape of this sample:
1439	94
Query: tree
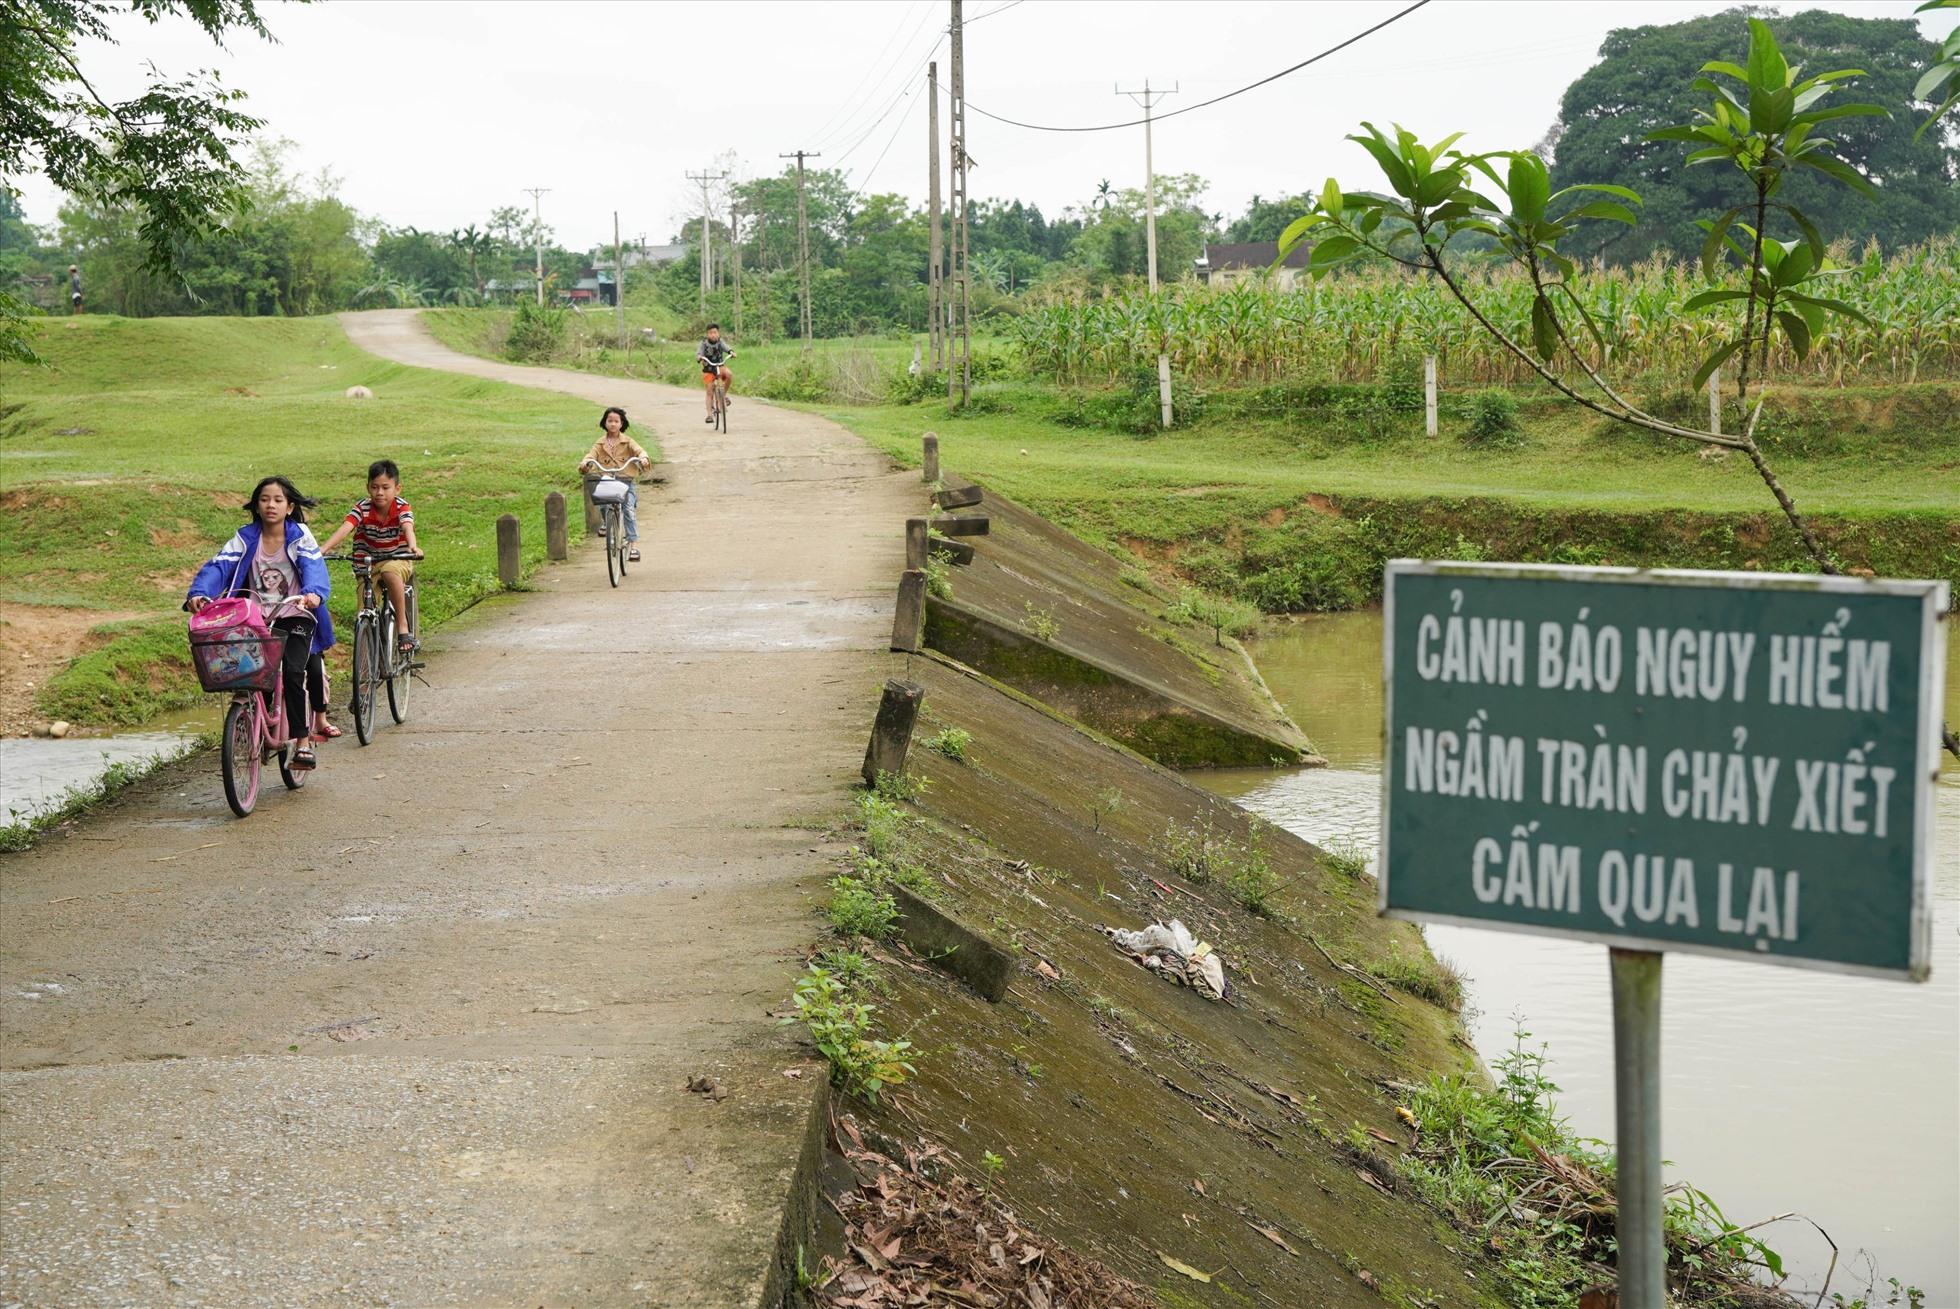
167	152
1265	219
1643	83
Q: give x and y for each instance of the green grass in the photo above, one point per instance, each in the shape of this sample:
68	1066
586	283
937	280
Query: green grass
126	459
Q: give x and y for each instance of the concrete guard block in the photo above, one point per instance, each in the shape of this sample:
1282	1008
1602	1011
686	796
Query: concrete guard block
946	943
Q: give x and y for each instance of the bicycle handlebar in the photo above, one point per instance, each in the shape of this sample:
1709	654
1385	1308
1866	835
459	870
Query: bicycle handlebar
375	556
613	472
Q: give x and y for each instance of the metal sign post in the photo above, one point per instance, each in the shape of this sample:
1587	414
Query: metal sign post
1738	764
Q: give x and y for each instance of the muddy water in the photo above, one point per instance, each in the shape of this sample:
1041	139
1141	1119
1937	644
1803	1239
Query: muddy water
1785	1090
38	774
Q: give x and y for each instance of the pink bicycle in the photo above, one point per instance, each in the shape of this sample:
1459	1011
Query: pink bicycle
233	650
253	734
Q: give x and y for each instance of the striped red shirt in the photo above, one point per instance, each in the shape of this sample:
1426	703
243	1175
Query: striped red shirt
376	531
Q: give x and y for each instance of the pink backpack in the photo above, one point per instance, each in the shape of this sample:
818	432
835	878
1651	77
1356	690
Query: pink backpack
232	649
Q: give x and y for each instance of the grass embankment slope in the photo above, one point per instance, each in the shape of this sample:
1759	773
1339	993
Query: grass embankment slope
124	463
1292	497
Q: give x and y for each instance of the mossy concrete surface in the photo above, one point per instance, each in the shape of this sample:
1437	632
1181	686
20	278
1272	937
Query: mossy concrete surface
1136	1119
1053	616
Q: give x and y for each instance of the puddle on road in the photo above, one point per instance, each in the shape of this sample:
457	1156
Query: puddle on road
38	774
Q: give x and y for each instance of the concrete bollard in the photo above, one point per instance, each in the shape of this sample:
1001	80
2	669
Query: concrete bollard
554	526
591	511
509	565
910	615
891	734
965	525
959	497
960	552
917	533
932	457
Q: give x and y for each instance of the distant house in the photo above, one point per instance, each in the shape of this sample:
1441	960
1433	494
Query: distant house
1228	265
511	288
654	255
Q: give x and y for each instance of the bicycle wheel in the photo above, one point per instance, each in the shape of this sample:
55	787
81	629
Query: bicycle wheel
612	552
395	663
367	675
721	409
238	752
294	778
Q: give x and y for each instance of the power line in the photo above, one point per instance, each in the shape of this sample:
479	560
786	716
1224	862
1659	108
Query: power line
905	88
865	78
991	12
889	141
875	85
1202	104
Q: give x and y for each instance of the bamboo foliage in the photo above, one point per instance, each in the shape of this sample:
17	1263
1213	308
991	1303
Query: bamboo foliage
1369	323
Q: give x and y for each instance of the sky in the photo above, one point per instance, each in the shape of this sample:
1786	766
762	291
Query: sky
431	114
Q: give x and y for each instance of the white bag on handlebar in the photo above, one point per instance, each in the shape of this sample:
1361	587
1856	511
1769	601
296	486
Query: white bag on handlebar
608	490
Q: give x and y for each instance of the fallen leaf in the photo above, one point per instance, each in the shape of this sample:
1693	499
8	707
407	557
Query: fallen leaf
792	1072
1382	1136
1198	1185
1045	969
1179	1266
1372	1180
1274	1237
1368	1280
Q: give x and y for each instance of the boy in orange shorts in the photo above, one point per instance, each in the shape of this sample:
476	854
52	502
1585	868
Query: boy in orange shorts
381	523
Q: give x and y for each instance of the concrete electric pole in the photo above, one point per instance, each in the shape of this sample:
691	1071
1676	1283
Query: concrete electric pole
959	351
1148	99
537	232
935	287
707	234
803	237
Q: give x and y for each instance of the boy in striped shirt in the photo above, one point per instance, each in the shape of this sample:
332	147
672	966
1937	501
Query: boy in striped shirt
382	523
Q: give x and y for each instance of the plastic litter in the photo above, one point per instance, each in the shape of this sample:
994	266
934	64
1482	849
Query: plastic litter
1170	950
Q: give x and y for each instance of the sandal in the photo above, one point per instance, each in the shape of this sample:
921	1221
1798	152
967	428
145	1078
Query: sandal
328	732
303	760
633	555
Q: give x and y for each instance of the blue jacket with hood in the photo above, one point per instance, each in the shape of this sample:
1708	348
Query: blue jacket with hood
226	573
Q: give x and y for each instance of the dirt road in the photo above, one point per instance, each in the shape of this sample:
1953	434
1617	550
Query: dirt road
417	1035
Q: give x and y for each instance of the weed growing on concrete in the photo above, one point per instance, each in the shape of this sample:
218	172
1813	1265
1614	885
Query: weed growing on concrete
1108	802
1222	614
840	1027
939	575
1249	876
951	742
860	907
1345	860
894	787
852	970
883	824
1203	854
1505	1165
1138	578
1039	623
1422	975
993	1165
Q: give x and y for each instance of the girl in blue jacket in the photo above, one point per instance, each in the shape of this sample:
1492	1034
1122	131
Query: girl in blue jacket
275	559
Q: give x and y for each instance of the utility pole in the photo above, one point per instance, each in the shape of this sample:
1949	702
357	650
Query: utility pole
707	234
537	232
1148	98
935	289
803	237
959	353
619	283
735	253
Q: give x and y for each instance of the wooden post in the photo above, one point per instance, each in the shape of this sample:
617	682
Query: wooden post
916	533
957	497
1715	402
591	511
911	613
508	562
965	525
554	526
932	458
1429	394
891	734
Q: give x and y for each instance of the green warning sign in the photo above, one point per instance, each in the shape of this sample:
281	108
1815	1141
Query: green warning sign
1733	763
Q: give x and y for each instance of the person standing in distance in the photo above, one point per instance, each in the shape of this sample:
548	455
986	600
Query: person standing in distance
74	289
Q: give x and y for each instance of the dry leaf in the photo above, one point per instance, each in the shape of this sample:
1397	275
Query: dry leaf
1368	1279
1179	1266
1372	1180
1198	1185
792	1072
1382	1136
1045	969
1274	1237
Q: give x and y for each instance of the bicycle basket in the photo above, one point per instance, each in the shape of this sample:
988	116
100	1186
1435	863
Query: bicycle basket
232	649
608	491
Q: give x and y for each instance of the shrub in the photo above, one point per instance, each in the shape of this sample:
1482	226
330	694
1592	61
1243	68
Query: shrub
537	333
1039	623
939	574
883	823
801	381
1422	975
1493	418
1220	613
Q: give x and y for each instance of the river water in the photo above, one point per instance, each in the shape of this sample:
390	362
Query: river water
1784	1089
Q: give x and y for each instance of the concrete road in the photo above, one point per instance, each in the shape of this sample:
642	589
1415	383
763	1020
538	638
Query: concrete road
418	1034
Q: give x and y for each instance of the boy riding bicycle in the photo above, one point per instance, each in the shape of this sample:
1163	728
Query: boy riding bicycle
382	523
714	355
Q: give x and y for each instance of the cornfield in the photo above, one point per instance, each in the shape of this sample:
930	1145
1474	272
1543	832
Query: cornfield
1373	325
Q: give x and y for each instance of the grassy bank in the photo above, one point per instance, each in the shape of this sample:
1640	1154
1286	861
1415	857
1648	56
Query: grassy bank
126	460
1292	497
